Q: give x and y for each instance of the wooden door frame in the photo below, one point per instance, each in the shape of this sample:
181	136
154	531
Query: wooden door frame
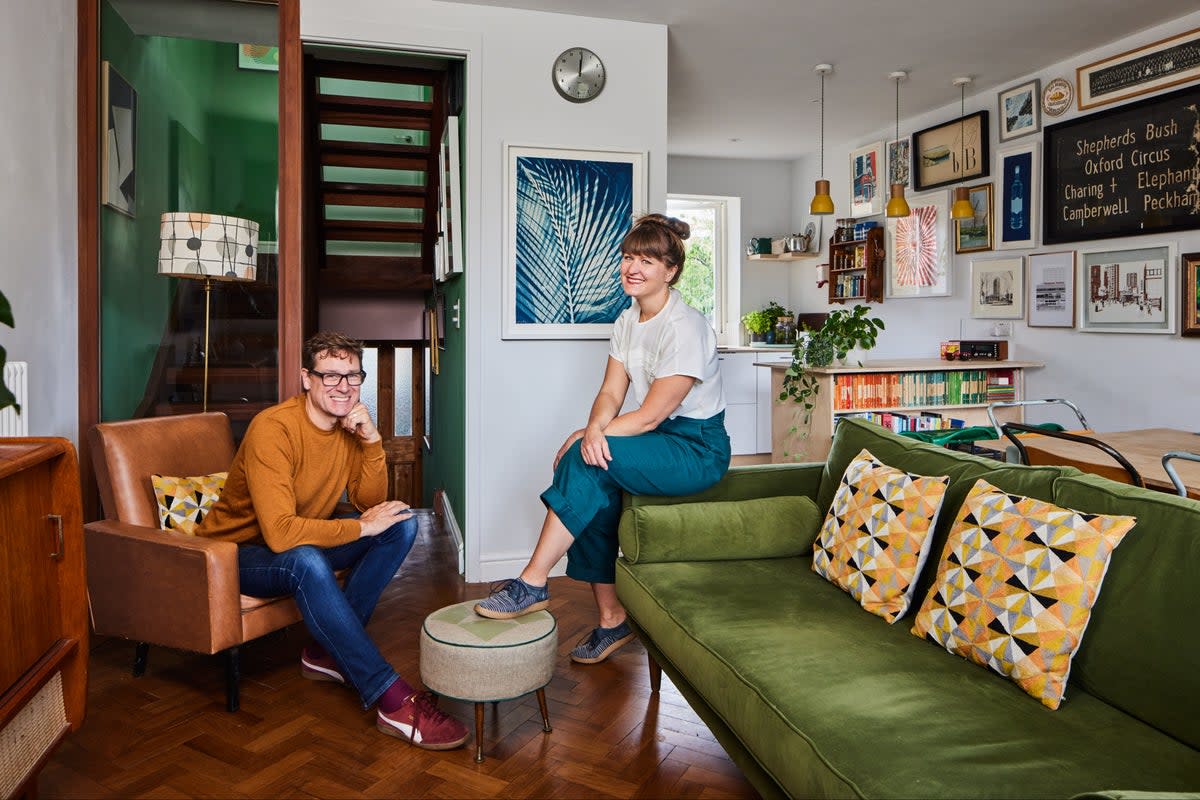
291	321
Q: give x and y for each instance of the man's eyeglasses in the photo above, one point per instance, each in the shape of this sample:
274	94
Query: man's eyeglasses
332	379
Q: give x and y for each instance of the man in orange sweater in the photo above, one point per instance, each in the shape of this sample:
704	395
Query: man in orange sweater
296	460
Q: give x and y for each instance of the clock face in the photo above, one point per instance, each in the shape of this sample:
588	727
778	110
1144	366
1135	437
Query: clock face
578	74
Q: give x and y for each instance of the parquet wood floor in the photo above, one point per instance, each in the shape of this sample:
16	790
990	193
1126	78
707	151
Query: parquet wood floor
167	734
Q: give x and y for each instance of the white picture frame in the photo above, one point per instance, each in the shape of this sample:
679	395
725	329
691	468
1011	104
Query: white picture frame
1020	110
866	180
567	210
998	288
449	259
1110	301
1050	290
918	262
1018	194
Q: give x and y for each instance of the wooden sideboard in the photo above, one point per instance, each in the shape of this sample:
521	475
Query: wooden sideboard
43	607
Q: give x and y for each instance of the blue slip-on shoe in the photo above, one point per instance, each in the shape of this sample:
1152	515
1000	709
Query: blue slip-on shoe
601	643
514	598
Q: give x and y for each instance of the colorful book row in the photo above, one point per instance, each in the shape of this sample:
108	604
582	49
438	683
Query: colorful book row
917	389
903	423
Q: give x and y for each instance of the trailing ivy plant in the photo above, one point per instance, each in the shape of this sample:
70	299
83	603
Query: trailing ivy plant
6	396
843	330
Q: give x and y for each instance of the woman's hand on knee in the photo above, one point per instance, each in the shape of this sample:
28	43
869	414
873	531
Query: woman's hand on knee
562	451
594	447
377	519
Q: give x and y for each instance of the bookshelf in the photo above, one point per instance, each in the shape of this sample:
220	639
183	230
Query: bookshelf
856	269
914	393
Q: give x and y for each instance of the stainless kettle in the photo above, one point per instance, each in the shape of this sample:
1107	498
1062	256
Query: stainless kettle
796	243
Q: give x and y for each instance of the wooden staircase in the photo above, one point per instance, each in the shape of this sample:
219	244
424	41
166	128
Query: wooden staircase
376	175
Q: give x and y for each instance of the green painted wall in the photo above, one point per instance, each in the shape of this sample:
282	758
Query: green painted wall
206	140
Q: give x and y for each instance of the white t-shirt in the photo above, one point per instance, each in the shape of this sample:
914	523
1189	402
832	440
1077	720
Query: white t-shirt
678	340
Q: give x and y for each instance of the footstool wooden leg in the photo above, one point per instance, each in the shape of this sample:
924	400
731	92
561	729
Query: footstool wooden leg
479	733
541	696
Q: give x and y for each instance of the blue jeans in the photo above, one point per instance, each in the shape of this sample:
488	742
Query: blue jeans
336	617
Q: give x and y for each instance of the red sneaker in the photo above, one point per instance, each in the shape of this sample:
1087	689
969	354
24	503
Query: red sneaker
420	722
320	669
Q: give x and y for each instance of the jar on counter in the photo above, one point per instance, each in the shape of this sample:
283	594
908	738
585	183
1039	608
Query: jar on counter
785	330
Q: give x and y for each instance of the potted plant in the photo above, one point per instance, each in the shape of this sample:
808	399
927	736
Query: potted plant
6	396
758	323
843	331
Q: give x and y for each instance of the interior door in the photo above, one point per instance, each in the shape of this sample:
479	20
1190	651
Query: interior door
394	392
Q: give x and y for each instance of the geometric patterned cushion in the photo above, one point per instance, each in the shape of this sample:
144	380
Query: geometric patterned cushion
876	536
1016	585
183	502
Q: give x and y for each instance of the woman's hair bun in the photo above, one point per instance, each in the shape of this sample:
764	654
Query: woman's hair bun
673	224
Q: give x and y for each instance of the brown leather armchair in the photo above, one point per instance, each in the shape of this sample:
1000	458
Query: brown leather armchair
161	587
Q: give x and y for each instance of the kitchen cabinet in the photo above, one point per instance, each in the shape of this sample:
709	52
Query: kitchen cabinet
748	398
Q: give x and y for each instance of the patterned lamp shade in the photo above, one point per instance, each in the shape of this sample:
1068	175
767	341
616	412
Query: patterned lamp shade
194	245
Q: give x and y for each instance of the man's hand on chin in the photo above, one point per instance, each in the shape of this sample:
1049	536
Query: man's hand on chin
358	422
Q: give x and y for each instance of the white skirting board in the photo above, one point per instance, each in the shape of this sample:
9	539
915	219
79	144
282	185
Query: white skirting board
442	505
16	378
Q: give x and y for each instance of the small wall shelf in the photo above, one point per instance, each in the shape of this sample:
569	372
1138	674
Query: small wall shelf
783	256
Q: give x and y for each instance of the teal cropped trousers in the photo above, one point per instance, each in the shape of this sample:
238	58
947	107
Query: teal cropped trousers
681	456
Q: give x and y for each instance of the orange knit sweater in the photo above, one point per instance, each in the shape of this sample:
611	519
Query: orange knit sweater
287	478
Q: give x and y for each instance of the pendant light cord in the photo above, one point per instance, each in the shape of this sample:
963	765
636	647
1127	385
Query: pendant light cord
897	108
962	128
822	124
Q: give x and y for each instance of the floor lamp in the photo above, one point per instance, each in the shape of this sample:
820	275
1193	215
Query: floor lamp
207	247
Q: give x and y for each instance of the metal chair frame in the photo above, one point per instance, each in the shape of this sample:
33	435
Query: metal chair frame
1021	403
1180	488
1010	430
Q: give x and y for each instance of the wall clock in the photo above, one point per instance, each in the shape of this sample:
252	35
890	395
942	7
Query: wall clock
578	74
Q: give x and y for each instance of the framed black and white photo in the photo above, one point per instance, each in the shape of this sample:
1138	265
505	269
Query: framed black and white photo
1051	296
998	288
1154	66
1020	110
567	211
1128	290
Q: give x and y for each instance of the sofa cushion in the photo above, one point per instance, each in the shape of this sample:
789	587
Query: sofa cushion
1141	652
831	703
768	527
875	538
1015	586
183	502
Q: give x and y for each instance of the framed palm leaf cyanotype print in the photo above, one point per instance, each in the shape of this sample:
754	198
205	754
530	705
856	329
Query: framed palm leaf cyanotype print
568	210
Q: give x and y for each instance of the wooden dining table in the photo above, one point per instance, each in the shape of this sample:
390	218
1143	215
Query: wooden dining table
1144	449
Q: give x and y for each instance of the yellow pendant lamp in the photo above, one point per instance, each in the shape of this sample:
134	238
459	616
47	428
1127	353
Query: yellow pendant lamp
962	208
897	206
822	203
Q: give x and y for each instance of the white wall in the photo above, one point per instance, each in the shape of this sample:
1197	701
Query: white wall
525	397
1120	381
38	210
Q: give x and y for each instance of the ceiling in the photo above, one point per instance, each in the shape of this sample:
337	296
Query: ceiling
741	81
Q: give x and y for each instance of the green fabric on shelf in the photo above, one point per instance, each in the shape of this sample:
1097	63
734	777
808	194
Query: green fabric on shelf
769	527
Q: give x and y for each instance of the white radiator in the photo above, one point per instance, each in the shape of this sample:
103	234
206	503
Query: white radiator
16	378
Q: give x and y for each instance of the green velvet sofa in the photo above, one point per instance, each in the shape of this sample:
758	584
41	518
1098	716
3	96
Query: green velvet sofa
814	697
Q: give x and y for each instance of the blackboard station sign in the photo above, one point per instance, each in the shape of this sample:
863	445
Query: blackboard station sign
1127	171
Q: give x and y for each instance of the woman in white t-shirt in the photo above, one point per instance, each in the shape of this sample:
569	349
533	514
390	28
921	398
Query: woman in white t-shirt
673	442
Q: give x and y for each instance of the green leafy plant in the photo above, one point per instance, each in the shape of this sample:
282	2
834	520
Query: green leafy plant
843	330
758	322
6	396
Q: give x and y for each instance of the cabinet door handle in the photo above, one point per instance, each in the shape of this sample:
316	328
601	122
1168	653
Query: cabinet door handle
58	536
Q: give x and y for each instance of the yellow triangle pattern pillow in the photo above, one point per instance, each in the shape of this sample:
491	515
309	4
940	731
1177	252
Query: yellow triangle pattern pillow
1016	584
876	536
183	502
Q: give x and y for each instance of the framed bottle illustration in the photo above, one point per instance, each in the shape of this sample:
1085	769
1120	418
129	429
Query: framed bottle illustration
1017	169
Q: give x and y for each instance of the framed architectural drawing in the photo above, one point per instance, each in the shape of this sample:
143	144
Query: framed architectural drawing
1051	295
866	171
918	257
1129	290
998	288
567	211
1018	173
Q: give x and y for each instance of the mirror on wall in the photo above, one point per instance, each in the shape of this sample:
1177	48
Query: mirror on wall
190	125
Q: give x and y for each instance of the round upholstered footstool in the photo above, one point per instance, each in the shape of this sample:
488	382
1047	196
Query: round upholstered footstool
467	657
